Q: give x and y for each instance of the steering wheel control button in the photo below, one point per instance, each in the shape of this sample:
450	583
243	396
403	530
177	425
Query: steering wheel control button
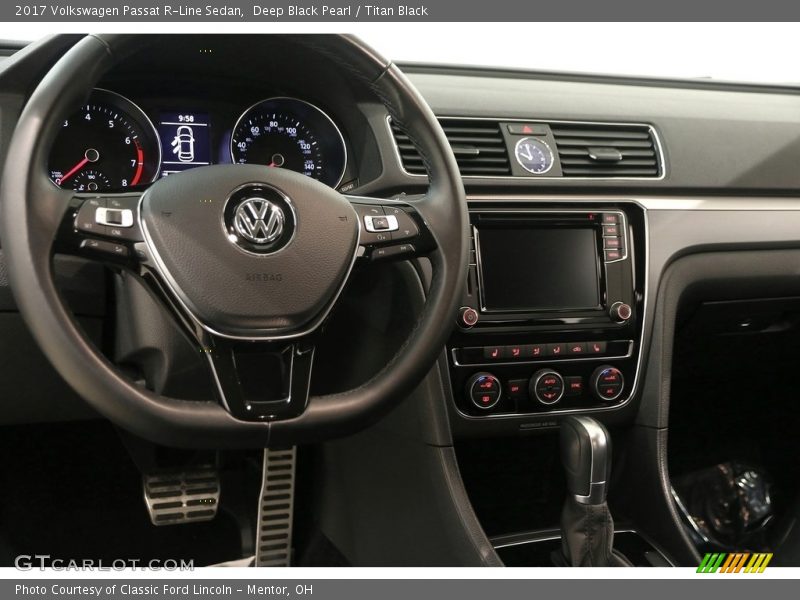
367	213
608	383
620	312
114	217
547	387
105	247
483	389
86	220
467	317
120	217
574	386
392	251
406	227
375	224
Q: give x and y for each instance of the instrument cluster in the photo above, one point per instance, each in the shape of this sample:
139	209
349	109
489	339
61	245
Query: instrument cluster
111	144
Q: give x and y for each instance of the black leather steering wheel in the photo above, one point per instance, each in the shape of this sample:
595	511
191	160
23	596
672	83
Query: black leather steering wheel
223	289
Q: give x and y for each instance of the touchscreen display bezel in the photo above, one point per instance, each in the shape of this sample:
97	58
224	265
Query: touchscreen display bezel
530	222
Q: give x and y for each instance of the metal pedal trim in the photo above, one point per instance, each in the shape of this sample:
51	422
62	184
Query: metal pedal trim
276	508
174	497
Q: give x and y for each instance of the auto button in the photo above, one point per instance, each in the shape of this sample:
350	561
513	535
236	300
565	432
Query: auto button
547	387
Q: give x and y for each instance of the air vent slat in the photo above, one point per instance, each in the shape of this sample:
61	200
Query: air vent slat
479	147
463	139
626	153
584	172
500	151
585	142
591	163
578	146
588	133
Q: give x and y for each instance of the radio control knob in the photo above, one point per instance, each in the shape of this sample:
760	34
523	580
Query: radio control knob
483	389
620	312
546	386
607	383
467	317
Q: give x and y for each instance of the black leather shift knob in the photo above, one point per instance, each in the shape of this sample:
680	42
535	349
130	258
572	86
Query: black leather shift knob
586	456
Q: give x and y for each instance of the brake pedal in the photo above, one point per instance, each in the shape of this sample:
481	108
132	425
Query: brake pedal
276	508
186	495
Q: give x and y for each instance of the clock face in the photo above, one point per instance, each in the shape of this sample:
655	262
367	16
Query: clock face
534	155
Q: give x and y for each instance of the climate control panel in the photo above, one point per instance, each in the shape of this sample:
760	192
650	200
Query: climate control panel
543	389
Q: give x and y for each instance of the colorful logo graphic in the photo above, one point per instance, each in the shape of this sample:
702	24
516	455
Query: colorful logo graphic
736	562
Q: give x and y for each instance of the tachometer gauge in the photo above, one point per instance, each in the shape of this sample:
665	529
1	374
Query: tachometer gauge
534	155
287	133
108	145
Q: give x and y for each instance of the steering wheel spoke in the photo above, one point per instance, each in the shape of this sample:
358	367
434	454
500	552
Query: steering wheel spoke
260	381
391	229
101	227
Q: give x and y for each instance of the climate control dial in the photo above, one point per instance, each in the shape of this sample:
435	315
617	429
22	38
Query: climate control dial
483	389
607	383
547	387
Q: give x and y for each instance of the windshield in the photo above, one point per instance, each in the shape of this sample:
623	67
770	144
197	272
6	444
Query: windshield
741	52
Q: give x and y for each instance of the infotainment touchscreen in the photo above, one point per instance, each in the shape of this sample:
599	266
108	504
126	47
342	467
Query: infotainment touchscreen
534	269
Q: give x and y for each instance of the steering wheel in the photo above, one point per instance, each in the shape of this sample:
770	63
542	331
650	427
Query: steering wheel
248	260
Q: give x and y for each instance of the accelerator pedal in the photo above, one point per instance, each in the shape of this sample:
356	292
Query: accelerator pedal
276	508
182	495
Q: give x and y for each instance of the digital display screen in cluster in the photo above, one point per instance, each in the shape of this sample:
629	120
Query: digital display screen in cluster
185	141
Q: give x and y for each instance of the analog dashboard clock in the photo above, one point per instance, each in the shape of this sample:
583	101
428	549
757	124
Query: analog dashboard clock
534	155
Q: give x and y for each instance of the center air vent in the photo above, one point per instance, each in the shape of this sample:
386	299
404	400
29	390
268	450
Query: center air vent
478	145
588	150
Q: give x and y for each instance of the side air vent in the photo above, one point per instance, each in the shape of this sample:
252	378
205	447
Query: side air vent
587	150
478	145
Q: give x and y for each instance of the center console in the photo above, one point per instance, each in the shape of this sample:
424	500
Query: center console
551	318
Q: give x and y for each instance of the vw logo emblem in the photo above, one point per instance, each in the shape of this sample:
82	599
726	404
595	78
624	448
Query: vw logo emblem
259	221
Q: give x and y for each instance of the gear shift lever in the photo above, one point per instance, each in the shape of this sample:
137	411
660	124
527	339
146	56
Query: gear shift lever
587	529
586	456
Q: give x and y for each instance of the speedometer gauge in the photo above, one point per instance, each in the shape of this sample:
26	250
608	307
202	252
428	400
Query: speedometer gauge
287	133
107	145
